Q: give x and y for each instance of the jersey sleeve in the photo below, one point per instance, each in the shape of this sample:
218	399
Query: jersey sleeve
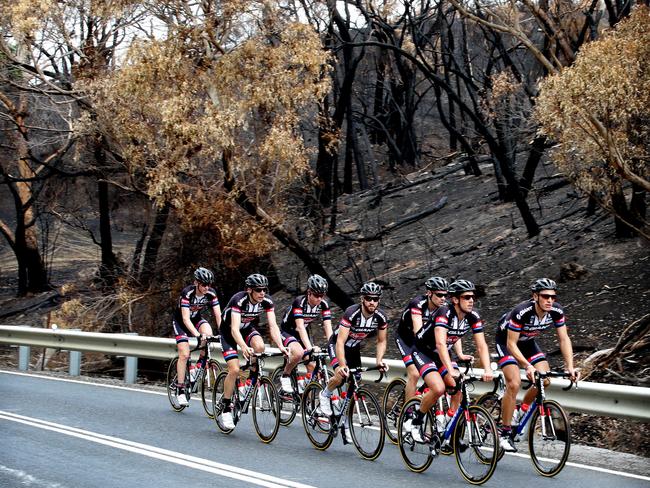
476	323
346	320
325	311
557	313
441	318
267	304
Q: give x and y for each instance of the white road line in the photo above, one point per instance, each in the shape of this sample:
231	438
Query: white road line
201	464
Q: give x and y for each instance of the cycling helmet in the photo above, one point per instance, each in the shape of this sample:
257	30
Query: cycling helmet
371	288
461	286
543	284
257	280
317	284
204	275
436	283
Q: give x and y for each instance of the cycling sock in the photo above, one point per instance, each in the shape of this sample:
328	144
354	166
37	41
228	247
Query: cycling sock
227	404
419	417
327	393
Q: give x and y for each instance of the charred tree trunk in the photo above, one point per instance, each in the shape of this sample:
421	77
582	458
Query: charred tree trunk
153	245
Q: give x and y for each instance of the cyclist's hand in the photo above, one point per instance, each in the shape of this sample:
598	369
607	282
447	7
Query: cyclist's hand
466	357
530	372
284	350
382	366
343	371
487	375
315	349
574	375
248	352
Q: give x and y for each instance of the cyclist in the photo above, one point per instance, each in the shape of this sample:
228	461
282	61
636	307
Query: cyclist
516	347
437	337
240	317
344	347
188	322
417	312
295	322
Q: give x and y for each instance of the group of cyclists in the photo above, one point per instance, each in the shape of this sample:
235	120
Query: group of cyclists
428	337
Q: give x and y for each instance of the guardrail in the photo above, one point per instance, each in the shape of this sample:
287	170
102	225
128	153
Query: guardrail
594	398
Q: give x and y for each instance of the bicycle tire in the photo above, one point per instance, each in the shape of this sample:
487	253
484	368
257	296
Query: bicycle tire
210	374
318	427
490	401
366	423
549	453
172	376
289	404
217	395
392	403
475	441
266	410
417	456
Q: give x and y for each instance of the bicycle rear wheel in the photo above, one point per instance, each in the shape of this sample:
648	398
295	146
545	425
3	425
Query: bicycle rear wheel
317	425
475	445
212	370
366	423
289	402
266	410
217	402
392	404
172	377
490	402
416	455
549	438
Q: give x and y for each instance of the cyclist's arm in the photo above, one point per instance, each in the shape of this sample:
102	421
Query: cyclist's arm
458	349
484	354
513	337
441	346
216	311
327	328
417	322
567	350
382	340
274	330
235	322
344	332
185	315
302	332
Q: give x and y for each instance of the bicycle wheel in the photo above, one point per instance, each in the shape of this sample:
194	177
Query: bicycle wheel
416	455
266	410
172	376
366	423
549	438
392	405
317	425
289	402
209	378
475	441
491	402
217	396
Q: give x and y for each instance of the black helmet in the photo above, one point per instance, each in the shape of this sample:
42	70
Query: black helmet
204	275
460	286
543	284
436	283
371	288
257	280
317	284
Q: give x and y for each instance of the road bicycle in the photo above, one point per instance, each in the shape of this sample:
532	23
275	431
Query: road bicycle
356	409
471	433
207	370
545	422
290	402
257	392
393	401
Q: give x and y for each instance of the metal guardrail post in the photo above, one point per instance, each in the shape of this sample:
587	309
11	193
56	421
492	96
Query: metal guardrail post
74	361
24	353
131	366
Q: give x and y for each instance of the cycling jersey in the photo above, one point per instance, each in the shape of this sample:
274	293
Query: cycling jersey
241	304
360	326
417	306
195	304
446	317
523	319
300	309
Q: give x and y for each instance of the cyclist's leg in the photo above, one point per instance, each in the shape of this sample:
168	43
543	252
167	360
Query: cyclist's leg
537	358
296	352
205	329
405	350
229	347
183	347
446	377
254	339
429	372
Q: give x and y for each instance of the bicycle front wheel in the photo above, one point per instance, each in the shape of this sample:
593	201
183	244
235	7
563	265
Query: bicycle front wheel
392	404
288	401
266	410
549	439
317	425
490	402
217	402
366	423
207	385
416	455
172	377
475	444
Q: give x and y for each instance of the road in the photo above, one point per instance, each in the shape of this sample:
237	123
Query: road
61	433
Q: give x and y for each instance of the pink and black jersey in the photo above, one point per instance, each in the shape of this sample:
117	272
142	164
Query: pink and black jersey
300	309
360	326
446	317
523	319
241	304
195	304
417	306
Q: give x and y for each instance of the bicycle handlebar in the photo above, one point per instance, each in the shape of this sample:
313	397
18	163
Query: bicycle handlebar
552	374
208	340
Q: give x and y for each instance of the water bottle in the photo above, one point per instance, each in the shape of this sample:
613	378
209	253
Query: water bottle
440	421
522	411
516	415
301	384
194	372
242	389
336	404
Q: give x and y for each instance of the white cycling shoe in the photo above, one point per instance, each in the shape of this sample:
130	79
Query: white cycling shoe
227	420
325	404
285	382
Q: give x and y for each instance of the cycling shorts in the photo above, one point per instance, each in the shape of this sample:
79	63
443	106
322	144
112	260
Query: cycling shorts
228	343
180	331
529	348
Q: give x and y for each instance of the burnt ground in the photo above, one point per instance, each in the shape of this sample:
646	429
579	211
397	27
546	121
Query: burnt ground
604	281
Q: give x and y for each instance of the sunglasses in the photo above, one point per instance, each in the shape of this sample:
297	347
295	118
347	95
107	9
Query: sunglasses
440	295
203	284
317	295
546	296
468	297
370	299
260	290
